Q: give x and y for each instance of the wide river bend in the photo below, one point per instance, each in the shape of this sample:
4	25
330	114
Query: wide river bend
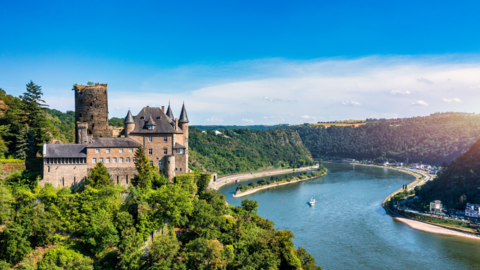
348	228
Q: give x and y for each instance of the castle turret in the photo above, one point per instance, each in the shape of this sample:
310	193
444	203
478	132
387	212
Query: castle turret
91	107
128	124
169	112
183	125
81	134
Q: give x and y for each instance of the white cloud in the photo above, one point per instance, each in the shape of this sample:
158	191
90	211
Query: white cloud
351	103
272	99
248	120
214	120
309	117
420	103
423	80
474	87
400	92
451	100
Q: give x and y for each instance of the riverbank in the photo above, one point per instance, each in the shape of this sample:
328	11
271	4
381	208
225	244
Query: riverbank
427	227
221	181
253	190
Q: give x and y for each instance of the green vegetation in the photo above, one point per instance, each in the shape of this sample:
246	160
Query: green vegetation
104	226
11	161
432	140
244	150
252	127
437	220
457	184
278	180
116	122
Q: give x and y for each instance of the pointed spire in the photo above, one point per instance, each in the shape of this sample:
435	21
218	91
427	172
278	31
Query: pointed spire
169	112
129	118
150	122
183	115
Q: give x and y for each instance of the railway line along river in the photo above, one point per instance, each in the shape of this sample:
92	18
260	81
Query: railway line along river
348	228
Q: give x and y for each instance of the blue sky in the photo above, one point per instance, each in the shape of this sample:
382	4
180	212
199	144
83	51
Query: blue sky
249	62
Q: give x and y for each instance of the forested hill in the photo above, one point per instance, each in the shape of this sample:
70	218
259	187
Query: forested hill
433	139
458	183
245	150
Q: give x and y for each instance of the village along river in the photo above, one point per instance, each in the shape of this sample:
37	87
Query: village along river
348	228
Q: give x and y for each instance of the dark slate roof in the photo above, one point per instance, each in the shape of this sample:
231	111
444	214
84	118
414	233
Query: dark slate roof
65	151
170	113
163	123
183	115
115	142
150	122
177	145
129	118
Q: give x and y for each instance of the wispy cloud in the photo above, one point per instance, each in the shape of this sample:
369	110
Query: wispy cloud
419	103
214	120
272	99
400	92
449	100
309	117
351	103
247	120
423	80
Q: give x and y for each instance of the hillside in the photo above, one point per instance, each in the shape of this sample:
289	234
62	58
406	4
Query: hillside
458	183
434	139
245	150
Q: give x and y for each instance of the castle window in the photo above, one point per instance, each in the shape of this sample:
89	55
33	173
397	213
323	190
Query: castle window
150	151
121	160
180	169
142	117
180	151
165	151
108	160
130	150
120	150
114	160
48	168
97	151
118	179
186	139
107	151
80	115
91	104
150	139
101	160
127	160
176	169
151	163
160	164
164	138
134	160
126	177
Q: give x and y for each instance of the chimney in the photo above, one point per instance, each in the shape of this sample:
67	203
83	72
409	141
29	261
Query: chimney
163	109
176	123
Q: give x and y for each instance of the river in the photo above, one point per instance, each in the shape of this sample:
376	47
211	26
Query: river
348	228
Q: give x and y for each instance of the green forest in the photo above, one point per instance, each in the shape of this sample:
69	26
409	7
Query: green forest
153	224
244	150
457	184
431	140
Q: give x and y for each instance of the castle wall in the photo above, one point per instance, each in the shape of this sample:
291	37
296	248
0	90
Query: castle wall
121	175
63	175
91	106
114	154
180	164
157	145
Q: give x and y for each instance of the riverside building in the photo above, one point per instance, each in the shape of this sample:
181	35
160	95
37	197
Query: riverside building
164	138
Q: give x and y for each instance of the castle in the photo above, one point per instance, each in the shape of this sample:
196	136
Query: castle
164	137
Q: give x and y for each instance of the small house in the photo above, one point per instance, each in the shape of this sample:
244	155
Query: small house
472	210
386	163
436	207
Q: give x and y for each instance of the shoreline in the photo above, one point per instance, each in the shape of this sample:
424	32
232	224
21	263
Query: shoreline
227	179
430	228
254	190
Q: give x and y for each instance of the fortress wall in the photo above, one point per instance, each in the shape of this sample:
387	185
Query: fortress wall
64	175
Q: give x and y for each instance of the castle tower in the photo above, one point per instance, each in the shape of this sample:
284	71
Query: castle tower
183	125
91	107
169	112
81	135
128	124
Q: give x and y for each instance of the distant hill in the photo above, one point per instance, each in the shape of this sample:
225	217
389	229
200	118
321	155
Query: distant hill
244	150
253	127
432	139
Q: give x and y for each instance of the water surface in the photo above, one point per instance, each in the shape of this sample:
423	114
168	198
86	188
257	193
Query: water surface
348	228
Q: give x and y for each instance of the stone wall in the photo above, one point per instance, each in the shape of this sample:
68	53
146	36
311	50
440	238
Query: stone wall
91	106
157	145
121	176
63	175
114	154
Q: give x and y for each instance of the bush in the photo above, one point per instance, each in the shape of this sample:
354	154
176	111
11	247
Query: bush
12	161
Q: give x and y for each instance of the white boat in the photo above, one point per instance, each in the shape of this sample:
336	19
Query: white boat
312	201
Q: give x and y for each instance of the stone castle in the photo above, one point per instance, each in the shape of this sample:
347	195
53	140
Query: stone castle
164	137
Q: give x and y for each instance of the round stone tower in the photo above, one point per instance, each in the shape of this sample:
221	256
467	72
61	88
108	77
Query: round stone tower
128	124
183	125
91	107
170	167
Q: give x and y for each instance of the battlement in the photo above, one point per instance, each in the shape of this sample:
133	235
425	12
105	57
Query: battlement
97	86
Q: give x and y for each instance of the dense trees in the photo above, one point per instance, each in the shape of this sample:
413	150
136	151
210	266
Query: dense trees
244	150
431	139
99	177
457	184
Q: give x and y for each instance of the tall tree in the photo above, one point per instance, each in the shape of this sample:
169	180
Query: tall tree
145	172
21	147
31	143
99	177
